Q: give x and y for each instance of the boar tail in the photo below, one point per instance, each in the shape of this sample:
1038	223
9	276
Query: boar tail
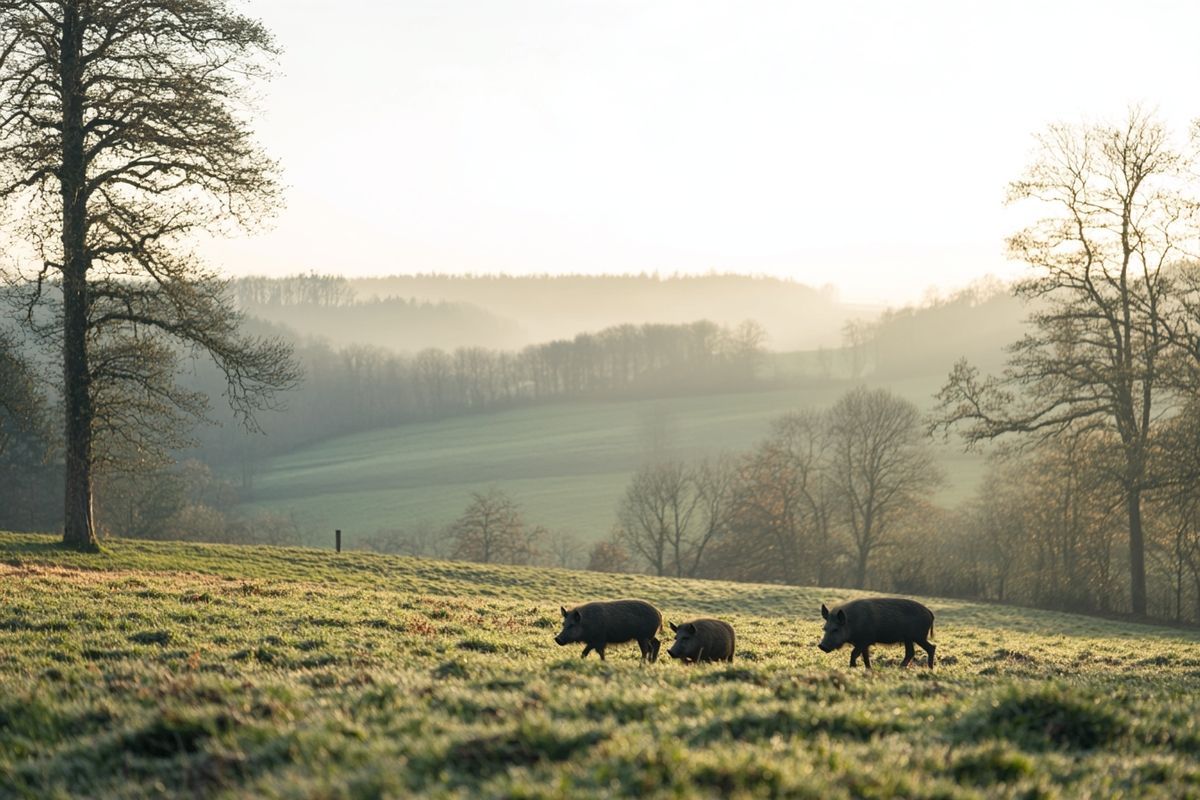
931	625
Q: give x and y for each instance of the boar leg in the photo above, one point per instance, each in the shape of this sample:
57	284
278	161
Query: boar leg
866	654
655	644
928	648
854	656
908	654
600	650
587	650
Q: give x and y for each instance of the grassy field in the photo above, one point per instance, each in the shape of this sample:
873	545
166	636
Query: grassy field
566	464
157	670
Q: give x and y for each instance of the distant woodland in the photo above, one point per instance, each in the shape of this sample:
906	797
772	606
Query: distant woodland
362	387
411	312
362	371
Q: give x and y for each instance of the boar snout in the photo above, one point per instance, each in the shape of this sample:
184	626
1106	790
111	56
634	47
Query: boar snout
824	647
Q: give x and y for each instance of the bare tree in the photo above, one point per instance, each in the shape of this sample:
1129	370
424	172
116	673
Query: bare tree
780	518
658	519
491	530
608	556
879	463
564	550
648	516
1122	208
1000	532
714	480
530	545
123	132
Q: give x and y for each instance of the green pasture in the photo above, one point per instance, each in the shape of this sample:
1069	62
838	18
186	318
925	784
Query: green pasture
173	670
566	464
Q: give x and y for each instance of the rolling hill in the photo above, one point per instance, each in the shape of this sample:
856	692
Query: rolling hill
173	670
566	464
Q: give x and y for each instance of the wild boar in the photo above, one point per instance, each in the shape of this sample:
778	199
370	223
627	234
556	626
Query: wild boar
702	640
600	624
878	620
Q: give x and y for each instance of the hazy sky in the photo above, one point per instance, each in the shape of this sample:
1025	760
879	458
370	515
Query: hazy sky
864	144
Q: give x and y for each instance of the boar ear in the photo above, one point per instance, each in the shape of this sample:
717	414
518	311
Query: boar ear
690	628
674	628
563	609
824	612
577	615
841	617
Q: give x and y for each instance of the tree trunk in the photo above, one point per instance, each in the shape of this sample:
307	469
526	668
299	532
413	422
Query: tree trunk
79	528
1137	554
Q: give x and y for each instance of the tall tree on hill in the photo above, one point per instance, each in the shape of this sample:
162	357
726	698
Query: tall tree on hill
1107	328
123	133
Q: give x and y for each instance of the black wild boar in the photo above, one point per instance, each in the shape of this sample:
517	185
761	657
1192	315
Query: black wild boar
703	640
600	624
878	620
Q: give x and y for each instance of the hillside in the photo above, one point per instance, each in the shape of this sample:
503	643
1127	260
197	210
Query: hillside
410	312
185	670
566	464
548	307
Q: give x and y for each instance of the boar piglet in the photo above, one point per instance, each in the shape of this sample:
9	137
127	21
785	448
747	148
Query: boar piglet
702	640
600	624
878	620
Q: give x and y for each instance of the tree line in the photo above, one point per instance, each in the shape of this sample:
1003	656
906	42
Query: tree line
842	497
815	503
360	388
328	307
1049	527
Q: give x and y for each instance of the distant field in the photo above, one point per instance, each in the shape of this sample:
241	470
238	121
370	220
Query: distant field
566	464
172	670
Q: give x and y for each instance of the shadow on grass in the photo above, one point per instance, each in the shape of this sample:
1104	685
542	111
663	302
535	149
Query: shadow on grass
43	546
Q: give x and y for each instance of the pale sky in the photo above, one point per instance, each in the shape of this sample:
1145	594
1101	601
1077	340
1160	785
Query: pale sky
863	144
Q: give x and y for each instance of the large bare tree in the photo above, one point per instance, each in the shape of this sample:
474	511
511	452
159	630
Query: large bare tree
879	464
1108	323
123	133
672	512
780	522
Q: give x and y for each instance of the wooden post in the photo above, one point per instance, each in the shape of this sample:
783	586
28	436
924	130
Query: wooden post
337	539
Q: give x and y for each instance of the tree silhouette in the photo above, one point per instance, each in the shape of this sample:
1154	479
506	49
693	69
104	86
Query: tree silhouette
123	133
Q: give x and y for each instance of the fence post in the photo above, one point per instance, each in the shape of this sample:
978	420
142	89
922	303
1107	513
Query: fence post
337	539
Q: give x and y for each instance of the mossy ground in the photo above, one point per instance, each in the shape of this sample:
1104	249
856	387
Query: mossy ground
187	670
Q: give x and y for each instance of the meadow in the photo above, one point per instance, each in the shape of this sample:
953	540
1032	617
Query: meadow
566	464
162	669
